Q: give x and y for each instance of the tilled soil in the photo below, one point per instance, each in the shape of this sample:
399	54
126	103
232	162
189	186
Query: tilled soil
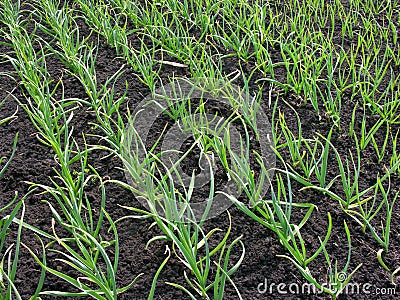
34	162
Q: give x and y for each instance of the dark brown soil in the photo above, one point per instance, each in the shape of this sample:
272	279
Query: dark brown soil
34	162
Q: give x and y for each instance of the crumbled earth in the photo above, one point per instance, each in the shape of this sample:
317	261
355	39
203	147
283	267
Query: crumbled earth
34	162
